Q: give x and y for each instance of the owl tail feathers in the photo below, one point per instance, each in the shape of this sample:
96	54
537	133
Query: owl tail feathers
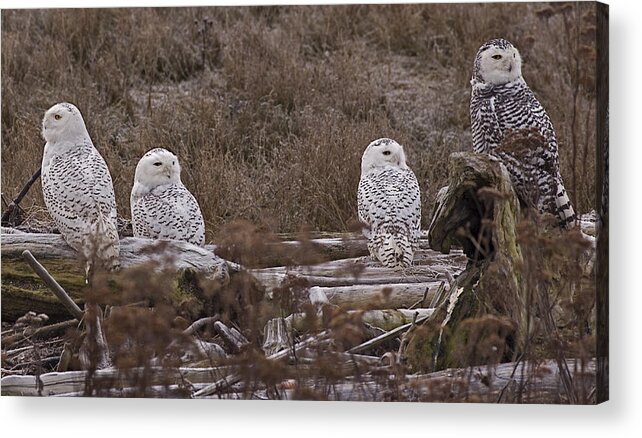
564	207
103	246
395	251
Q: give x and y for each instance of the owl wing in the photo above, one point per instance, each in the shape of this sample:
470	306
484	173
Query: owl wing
169	212
390	197
485	125
366	204
79	195
405	202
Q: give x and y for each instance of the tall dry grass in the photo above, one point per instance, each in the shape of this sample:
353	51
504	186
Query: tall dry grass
270	108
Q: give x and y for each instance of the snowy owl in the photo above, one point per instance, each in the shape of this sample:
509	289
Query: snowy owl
389	203
77	188
509	123
162	207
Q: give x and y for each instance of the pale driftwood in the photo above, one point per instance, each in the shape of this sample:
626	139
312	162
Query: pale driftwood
94	350
228	381
198	324
53	285
504	383
386	319
277	336
9	230
134	251
234	340
390	295
332	246
75	381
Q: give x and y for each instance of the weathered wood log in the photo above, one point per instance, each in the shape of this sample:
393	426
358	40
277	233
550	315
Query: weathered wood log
75	381
22	290
524	382
386	319
64	298
234	340
389	296
434	267
134	251
296	250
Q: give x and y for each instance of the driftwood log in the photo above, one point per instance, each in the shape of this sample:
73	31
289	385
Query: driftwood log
522	382
23	291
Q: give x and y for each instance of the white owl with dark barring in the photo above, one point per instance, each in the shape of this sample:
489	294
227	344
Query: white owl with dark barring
502	107
77	187
162	207
389	204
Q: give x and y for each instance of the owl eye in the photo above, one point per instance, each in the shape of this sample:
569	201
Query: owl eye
57	116
158	163
386	152
497	56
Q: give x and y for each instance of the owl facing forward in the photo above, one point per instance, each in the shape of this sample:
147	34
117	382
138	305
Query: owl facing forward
502	108
77	187
162	207
389	204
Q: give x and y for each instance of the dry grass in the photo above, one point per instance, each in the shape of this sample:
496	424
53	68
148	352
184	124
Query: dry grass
270	108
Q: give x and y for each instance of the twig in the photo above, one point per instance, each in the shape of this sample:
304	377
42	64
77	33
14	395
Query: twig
235	378
437	297
388	335
421	301
12	339
198	324
15	202
53	285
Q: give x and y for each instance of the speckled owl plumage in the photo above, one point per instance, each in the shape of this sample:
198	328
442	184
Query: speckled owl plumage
77	187
162	207
389	204
504	110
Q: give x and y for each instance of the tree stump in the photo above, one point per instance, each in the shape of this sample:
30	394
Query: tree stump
509	301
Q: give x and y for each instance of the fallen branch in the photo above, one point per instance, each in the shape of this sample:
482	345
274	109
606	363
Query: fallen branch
53	285
38	333
198	324
56	383
388	335
235	378
14	204
234	340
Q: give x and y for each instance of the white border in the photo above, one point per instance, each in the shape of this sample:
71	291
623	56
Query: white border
619	417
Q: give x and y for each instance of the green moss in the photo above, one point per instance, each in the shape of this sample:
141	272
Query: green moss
23	291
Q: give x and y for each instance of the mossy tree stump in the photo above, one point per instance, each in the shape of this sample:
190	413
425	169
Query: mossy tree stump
519	271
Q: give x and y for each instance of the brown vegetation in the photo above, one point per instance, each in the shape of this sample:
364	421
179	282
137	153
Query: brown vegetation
270	108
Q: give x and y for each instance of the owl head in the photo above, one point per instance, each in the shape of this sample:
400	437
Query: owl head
63	121
381	153
158	167
497	62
